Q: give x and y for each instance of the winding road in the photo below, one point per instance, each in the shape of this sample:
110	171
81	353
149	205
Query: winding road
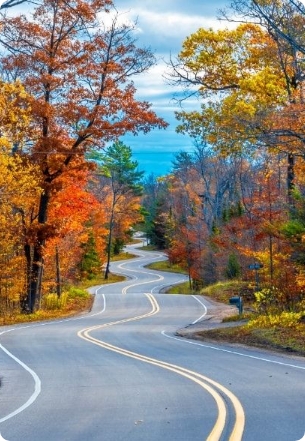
120	373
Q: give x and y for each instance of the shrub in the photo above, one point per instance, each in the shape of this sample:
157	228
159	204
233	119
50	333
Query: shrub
233	269
283	320
269	300
74	293
52	301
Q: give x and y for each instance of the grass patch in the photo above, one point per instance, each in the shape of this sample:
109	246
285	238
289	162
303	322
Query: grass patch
135	241
100	280
122	256
182	288
284	332
74	300
165	265
222	291
235	318
150	248
279	338
71	302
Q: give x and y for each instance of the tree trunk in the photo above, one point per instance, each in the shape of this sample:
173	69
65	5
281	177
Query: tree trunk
107	270
290	179
34	257
58	282
33	271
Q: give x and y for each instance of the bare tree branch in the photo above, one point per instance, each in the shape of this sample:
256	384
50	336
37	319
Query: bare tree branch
10	3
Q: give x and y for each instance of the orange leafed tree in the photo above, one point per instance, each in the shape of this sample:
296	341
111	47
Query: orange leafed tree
79	73
70	210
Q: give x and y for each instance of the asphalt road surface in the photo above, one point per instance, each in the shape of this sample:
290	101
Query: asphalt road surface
120	373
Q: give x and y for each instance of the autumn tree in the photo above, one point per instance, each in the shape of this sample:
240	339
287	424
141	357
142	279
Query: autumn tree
282	19
250	83
70	211
284	22
78	72
238	76
255	80
19	190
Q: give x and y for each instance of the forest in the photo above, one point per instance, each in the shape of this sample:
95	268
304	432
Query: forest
71	193
234	208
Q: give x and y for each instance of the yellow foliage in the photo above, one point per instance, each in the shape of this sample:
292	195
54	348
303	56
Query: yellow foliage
233	59
14	113
300	280
19	191
283	320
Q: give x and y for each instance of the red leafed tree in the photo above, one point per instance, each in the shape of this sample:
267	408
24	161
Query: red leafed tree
79	72
70	210
186	231
253	230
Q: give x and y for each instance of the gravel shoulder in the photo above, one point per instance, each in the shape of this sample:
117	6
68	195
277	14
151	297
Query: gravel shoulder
217	312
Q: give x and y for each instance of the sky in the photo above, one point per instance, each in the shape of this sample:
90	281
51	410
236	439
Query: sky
163	25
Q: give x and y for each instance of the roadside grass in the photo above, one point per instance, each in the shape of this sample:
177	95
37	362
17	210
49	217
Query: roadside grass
149	248
222	291
284	332
274	338
181	288
74	300
165	265
259	331
122	256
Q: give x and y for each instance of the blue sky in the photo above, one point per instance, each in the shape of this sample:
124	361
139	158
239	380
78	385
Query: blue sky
163	25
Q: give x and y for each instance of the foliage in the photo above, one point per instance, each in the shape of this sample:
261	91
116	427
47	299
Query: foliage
166	265
122	179
269	299
233	268
117	165
222	291
283	320
52	301
78	74
90	264
250	81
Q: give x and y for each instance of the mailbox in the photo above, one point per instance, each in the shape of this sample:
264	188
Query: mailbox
238	302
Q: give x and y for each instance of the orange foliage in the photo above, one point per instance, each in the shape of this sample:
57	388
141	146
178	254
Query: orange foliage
81	96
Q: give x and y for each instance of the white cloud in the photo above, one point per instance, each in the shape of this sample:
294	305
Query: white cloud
164	30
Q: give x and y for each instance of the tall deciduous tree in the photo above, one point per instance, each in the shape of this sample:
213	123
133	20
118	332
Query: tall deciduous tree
79	73
284	21
255	79
19	192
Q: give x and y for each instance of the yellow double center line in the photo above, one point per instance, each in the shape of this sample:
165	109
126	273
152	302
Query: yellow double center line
211	386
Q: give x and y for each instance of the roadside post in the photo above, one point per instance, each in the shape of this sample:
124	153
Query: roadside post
238	302
256	266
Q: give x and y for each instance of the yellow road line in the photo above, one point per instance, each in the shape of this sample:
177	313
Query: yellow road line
219	425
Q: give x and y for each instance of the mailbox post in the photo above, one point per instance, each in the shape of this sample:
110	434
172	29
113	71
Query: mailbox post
238	302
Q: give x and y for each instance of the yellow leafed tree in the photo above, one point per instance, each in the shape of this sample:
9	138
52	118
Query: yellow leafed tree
19	193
